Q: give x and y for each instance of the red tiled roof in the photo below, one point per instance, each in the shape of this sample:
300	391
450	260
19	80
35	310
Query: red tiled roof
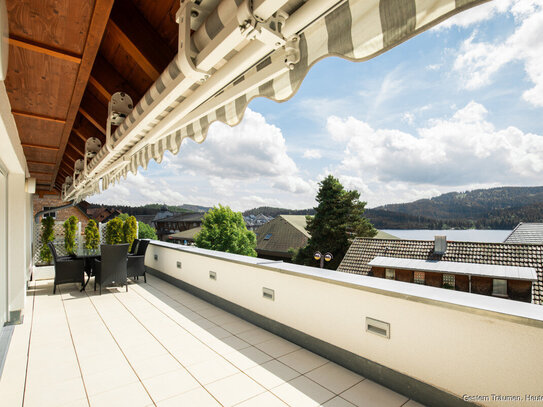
363	250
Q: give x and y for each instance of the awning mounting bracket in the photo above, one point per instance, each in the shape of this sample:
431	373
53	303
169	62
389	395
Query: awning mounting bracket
186	64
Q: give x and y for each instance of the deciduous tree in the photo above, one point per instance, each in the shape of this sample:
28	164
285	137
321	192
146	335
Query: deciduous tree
225	230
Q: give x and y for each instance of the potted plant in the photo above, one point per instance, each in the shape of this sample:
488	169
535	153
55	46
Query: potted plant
114	231
92	235
47	235
130	230
70	227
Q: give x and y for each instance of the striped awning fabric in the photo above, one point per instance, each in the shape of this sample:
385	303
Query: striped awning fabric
356	30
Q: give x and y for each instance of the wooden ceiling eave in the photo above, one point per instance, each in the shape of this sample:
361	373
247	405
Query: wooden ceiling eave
68	57
149	51
100	16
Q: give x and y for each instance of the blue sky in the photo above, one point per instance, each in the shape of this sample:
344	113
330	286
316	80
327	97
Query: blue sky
456	108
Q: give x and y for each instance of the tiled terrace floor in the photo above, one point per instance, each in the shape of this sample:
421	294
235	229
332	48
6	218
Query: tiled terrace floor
159	345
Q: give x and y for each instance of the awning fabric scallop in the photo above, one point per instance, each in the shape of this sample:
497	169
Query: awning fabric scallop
356	30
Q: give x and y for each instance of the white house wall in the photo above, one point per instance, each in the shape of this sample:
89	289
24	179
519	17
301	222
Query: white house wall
18	214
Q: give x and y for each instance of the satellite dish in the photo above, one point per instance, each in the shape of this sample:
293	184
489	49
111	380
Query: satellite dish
4	45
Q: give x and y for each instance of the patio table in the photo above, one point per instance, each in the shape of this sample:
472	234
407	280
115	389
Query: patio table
88	255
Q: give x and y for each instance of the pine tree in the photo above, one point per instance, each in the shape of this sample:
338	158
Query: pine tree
339	218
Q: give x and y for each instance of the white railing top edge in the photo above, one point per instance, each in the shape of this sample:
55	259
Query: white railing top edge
384	286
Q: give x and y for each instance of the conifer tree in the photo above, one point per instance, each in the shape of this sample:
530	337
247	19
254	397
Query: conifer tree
339	218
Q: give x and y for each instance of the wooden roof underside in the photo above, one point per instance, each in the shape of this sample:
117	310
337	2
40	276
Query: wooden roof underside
66	59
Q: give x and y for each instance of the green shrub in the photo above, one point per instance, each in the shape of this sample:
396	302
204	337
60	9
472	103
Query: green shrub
130	230
92	235
70	228
146	232
114	231
47	235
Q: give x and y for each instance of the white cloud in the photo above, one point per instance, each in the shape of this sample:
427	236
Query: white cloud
477	62
312	153
242	166
451	153
391	86
433	67
254	150
408	118
476	14
138	190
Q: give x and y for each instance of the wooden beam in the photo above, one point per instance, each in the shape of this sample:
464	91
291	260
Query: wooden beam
69	154
66	170
79	150
44	49
107	80
100	16
42	192
40	173
63	171
40	146
40	162
37	116
86	130
138	38
94	111
79	135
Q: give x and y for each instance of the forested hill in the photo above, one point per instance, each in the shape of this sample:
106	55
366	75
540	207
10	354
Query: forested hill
151	209
496	208
273	212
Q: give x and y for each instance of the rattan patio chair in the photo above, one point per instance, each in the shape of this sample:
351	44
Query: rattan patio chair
136	262
134	247
67	269
111	267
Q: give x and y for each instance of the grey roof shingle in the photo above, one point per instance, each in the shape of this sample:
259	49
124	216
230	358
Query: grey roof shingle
363	250
286	231
183	217
526	233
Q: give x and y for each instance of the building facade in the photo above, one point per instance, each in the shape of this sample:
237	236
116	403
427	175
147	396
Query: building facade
47	201
513	271
177	223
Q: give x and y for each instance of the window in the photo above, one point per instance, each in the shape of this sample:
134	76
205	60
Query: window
268	236
50	214
499	287
390	274
419	277
448	281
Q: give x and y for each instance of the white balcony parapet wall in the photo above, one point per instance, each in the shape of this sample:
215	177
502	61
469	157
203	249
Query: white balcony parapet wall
464	344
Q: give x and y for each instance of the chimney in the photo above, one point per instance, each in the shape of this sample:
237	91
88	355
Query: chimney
440	244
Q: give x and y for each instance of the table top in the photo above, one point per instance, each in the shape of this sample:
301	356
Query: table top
82	252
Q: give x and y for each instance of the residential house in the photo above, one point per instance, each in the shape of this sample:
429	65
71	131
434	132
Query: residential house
512	271
526	233
185	237
103	214
177	223
275	238
253	222
163	213
45	201
147	219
